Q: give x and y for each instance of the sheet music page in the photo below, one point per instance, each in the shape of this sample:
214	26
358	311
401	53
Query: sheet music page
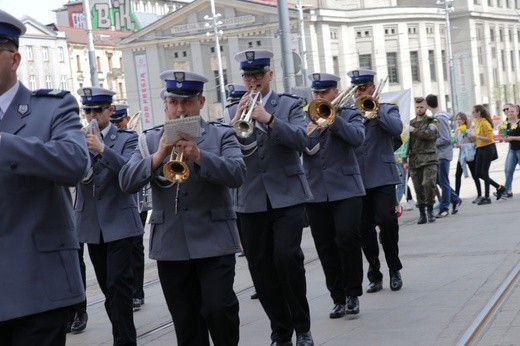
189	125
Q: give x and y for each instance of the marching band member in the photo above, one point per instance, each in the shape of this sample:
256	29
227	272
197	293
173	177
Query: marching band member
43	152
193	225
121	119
377	163
109	233
271	200
335	212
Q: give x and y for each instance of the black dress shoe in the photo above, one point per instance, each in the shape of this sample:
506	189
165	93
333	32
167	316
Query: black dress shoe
374	287
337	311
254	296
352	305
80	322
281	343
484	201
136	303
67	327
395	281
304	339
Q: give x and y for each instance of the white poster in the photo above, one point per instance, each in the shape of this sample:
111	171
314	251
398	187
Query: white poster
464	86
403	100
144	91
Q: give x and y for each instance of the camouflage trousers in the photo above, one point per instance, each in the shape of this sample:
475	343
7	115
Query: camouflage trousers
424	180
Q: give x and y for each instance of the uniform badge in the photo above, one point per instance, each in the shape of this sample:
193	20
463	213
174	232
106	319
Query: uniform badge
88	93
274	103
179	78
355	73
250	56
22	109
112	136
231	88
316	76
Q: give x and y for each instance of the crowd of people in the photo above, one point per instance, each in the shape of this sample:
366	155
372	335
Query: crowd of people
249	183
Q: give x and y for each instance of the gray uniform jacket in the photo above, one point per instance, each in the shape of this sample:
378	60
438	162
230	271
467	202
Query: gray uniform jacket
205	223
102	209
272	157
376	156
330	162
42	152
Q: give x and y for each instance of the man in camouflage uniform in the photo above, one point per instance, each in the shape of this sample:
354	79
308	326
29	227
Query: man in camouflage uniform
422	160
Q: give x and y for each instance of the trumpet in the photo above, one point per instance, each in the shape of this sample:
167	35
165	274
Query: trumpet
245	125
91	129
368	105
176	169
323	112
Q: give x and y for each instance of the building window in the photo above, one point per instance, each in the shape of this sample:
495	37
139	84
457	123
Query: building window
48	82
98	63
512	55
184	54
258	43
414	64
431	60
175	54
61	54
63	82
32	82
217	84
492	35
109	59
78	63
393	68
365	61
429	29
389	31
503	57
479	56
501	35
413	30
364	33
510	35
120	89
30	56
333	34
45	53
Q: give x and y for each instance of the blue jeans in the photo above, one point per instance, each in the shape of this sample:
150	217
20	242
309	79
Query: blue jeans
448	195
512	159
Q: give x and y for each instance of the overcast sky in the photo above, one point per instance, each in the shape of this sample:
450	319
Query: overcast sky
41	10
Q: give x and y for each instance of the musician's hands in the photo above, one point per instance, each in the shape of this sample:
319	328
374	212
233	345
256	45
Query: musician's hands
94	143
190	148
162	152
311	127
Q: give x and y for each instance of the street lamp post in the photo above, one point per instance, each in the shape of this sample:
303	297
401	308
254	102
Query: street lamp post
303	46
448	8
216	24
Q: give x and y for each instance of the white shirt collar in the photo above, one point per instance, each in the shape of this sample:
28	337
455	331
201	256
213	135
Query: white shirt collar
7	97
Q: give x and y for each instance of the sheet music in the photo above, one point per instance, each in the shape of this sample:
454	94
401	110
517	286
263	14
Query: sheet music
189	125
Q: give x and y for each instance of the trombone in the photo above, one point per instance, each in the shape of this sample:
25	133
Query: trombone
368	105
323	112
133	123
244	126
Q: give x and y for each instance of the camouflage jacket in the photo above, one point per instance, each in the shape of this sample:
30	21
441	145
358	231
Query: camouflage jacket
422	150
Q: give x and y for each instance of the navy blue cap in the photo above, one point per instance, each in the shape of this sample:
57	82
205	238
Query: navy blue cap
11	28
93	97
254	59
235	91
323	81
361	76
121	111
180	83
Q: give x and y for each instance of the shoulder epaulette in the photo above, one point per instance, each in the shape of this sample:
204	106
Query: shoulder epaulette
158	127
125	130
232	104
292	95
219	123
51	92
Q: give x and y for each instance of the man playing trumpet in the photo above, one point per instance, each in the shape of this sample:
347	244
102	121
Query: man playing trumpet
193	229
335	180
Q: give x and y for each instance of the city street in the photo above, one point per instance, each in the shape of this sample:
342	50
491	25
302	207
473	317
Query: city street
453	270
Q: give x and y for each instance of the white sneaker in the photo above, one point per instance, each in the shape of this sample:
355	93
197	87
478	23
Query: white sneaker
409	205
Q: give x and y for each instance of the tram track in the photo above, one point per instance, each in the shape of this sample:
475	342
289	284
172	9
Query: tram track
475	332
